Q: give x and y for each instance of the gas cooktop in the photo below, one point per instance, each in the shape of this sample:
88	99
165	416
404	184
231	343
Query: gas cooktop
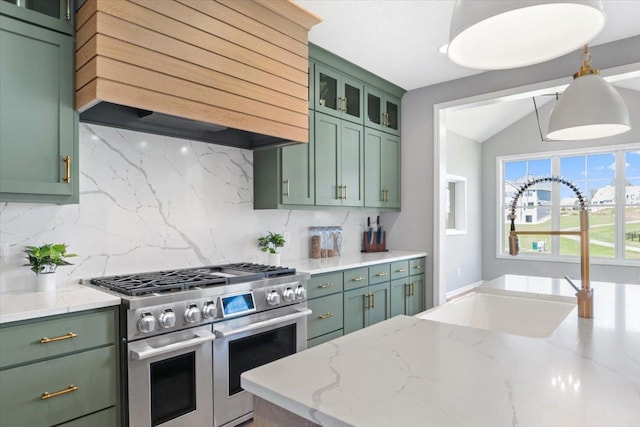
167	281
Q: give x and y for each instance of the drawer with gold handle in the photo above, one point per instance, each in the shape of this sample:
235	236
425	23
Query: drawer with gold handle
61	389
328	315
325	284
28	341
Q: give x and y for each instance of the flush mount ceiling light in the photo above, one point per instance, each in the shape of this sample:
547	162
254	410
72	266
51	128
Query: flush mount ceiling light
589	108
499	34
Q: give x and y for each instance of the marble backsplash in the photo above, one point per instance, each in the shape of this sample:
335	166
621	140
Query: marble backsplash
150	202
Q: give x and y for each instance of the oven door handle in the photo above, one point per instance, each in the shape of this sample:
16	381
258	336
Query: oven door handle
223	332
148	351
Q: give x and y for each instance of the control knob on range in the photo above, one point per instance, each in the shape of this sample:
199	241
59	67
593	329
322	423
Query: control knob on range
167	319
209	310
147	322
288	295
273	298
192	314
301	293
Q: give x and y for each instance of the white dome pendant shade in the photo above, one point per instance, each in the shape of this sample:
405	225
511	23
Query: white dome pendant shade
500	34
589	108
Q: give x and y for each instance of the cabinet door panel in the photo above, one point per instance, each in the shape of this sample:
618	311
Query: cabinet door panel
374	108
416	301
351	160
392	108
327	173
390	170
37	118
372	168
354	309
298	166
327	87
352	94
379	306
399	297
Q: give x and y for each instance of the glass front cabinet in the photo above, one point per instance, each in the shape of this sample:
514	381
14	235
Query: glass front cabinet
53	14
382	111
338	95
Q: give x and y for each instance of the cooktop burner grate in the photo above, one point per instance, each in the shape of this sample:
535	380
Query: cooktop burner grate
140	284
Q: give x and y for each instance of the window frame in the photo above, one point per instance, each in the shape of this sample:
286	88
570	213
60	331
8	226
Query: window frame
620	180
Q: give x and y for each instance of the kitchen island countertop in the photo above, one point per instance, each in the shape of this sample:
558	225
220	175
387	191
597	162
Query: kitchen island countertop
351	260
413	372
24	305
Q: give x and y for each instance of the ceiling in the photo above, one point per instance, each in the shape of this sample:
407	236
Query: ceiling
399	39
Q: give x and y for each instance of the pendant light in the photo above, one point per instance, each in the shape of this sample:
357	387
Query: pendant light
500	34
589	108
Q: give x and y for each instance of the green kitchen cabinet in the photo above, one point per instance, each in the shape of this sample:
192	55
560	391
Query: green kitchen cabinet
55	15
366	306
38	123
339	157
327	315
60	369
337	94
382	111
285	176
381	169
407	295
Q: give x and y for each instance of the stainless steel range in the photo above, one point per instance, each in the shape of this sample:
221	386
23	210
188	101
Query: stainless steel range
190	333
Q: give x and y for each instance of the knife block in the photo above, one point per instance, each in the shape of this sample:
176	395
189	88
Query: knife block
374	247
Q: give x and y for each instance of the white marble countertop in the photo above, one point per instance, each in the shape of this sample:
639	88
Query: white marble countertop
23	305
413	372
354	260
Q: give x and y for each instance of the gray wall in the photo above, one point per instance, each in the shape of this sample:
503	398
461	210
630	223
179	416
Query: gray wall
412	228
464	251
523	138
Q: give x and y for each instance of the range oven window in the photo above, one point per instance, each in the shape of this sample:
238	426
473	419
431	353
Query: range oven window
259	349
173	388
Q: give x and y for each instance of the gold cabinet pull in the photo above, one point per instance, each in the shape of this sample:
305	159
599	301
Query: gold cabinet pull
286	183
344	104
416	266
325	285
357	279
68	335
68	14
326	315
381	274
345	192
366	300
46	395
67	170
401	270
339	196
410	289
373	300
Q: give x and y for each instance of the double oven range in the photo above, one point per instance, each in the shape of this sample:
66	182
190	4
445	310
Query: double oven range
189	334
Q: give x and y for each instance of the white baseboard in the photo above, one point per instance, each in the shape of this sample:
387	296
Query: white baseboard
463	290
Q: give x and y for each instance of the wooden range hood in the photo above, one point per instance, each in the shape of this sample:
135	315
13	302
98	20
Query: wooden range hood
230	72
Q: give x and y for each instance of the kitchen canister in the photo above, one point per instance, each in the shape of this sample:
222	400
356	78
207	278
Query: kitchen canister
325	242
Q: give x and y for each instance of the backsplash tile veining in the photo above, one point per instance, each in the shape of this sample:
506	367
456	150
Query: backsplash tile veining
150	202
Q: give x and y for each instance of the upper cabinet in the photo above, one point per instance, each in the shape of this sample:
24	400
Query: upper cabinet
38	124
382	111
353	159
337	94
53	14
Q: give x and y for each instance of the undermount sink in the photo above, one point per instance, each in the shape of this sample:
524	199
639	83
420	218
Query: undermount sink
525	316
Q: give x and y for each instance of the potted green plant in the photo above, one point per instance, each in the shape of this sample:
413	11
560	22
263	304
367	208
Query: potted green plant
270	243
44	260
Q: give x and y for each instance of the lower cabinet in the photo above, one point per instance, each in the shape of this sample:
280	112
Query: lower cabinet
347	300
366	306
67	373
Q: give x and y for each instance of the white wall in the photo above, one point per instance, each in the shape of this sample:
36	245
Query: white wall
464	251
523	138
149	202
412	228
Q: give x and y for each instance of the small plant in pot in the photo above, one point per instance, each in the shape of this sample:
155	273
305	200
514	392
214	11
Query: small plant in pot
44	260
270	243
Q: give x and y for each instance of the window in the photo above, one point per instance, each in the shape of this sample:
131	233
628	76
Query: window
608	181
456	204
